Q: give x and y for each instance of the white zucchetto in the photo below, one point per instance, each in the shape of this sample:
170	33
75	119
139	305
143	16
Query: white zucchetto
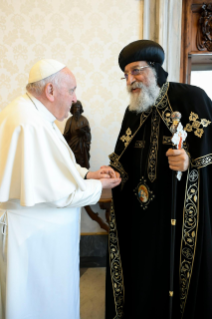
44	68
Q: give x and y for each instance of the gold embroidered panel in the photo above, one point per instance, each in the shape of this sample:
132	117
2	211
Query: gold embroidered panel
152	160
167	140
196	124
116	273
162	94
189	235
202	161
114	158
164	108
139	144
166	112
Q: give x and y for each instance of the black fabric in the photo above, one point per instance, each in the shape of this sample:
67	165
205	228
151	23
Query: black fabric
161	74
144	235
141	50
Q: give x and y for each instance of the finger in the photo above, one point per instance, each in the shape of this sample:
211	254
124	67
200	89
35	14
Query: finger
114	180
110	172
175	168
117	180
111	183
176	163
173	153
169	151
176	160
106	168
116	183
180	158
105	176
103	167
178	168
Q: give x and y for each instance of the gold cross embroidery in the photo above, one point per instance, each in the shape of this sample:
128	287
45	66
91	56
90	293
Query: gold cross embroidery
126	138
195	125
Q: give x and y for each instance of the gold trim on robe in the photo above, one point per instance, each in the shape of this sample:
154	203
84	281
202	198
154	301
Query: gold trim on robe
189	234
202	161
116	272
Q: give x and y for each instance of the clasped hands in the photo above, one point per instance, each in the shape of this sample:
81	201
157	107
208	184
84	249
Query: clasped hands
107	176
178	159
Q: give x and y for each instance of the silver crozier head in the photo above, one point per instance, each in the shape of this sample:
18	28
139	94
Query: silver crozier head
175	116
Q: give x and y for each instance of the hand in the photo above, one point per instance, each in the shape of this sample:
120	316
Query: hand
110	171
178	160
110	183
103	173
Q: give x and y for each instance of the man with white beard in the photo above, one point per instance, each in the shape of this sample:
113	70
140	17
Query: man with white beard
143	94
138	273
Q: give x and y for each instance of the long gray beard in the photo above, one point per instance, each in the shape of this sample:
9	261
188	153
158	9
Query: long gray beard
142	101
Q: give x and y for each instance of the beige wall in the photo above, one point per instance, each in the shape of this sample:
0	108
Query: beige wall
86	35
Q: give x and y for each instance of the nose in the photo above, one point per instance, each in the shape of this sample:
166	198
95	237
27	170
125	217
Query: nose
130	79
74	98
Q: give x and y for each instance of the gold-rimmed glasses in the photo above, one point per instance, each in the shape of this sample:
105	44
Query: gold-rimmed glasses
137	71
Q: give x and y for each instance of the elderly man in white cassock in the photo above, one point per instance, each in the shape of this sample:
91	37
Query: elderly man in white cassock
41	191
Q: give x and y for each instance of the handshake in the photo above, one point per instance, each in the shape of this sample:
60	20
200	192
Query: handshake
107	176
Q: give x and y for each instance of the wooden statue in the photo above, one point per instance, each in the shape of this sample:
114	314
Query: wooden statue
78	135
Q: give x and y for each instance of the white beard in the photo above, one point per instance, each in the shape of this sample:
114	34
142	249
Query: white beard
142	101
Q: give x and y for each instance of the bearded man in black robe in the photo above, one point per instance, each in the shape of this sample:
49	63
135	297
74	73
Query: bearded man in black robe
139	238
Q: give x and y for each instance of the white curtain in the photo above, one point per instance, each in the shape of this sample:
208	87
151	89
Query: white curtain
162	23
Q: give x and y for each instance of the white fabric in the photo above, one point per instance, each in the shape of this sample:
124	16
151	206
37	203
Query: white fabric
35	156
39	241
44	68
39	262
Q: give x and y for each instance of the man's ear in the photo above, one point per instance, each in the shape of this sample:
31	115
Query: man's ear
49	92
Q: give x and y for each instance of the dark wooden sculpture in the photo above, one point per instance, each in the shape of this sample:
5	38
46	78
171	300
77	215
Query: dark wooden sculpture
204	33
78	136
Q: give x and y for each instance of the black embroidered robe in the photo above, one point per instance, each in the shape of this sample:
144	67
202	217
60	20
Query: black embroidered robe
139	237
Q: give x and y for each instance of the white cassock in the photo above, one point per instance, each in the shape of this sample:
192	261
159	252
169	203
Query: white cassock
41	192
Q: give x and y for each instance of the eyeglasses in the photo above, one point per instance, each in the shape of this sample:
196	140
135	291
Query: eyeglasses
136	71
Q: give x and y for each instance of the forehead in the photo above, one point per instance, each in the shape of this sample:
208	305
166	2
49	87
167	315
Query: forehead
133	65
69	78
